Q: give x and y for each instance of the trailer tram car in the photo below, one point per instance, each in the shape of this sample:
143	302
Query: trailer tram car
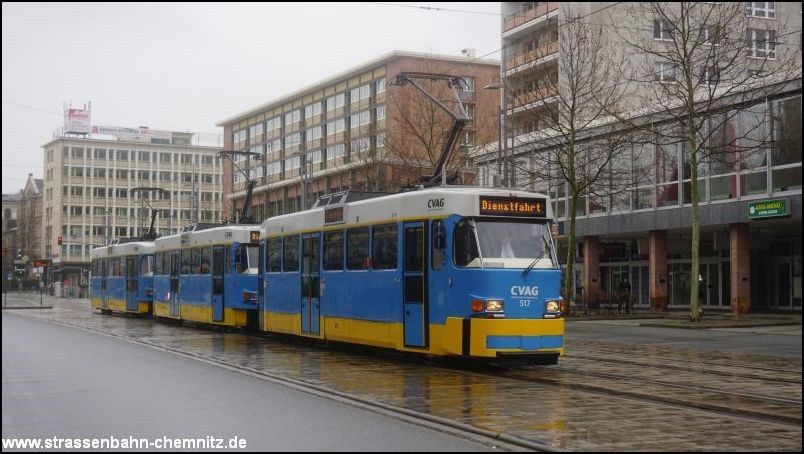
208	274
122	277
464	272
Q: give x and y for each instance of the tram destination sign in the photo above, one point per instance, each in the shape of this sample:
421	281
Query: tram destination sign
333	215
513	206
768	209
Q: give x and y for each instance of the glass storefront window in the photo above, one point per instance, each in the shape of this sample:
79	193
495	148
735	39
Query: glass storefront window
723	188
667	195
786	179
621	201
786	131
643	198
701	191
754	183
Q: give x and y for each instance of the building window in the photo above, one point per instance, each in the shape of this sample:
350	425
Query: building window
379	85
662	30
710	75
333	102
292	117
761	9
709	35
312	110
381	112
335	127
313	133
273	124
664	72
360	93
470	84
360	119
763	43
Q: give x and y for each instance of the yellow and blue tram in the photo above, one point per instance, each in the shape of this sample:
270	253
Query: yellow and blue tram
208	274
449	271
122	277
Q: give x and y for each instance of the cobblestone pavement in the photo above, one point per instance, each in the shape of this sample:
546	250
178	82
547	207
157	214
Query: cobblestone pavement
608	396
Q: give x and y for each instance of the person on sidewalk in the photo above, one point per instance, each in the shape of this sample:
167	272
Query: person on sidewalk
625	294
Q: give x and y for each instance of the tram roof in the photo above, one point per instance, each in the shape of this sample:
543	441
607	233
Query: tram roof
421	204
225	234
119	250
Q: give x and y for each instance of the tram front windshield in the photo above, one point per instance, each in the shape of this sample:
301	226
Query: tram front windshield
482	243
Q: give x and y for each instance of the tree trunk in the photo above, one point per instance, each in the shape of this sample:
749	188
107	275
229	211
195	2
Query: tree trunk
569	272
695	304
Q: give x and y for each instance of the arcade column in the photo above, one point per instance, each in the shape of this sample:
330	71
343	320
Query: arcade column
740	269
657	264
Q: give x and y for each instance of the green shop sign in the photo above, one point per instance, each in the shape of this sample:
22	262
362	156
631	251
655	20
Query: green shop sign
768	209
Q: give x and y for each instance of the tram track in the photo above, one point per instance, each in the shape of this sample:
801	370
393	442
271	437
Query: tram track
541	374
708	371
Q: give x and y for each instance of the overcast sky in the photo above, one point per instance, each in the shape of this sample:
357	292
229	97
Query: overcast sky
187	66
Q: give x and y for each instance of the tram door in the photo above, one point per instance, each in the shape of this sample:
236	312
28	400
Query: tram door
217	283
415	298
131	284
310	282
105	264
175	263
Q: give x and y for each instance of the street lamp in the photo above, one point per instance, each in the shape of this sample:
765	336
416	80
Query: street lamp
501	139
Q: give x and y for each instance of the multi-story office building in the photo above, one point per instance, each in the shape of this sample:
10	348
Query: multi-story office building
338	133
750	250
97	190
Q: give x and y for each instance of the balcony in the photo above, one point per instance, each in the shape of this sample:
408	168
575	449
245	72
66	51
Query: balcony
539	95
514	61
517	19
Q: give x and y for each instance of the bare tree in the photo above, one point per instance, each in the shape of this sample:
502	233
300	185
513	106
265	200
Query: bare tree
705	64
563	108
419	129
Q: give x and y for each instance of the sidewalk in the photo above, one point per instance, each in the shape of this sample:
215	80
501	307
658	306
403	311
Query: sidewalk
680	319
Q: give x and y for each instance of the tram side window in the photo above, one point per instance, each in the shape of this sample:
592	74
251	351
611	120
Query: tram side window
333	250
185	261
146	265
196	264
357	248
176	267
291	254
384	247
274	264
205	259
439	238
157	263
465	246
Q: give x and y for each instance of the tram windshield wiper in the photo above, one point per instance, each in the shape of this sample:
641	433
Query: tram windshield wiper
536	260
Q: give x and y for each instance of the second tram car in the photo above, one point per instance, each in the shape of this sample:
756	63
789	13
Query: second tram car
468	272
122	277
208	274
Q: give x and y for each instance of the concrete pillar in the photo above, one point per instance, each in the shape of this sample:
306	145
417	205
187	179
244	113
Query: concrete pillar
740	269
591	267
657	265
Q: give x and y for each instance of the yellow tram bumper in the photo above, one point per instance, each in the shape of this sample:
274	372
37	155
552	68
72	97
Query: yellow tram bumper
485	337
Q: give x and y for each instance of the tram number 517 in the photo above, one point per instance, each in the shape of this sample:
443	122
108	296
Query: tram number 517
524	303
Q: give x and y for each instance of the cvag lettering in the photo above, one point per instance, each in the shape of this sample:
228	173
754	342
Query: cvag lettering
524	290
435	203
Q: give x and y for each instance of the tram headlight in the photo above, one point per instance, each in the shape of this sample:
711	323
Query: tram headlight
494	305
552	306
481	305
